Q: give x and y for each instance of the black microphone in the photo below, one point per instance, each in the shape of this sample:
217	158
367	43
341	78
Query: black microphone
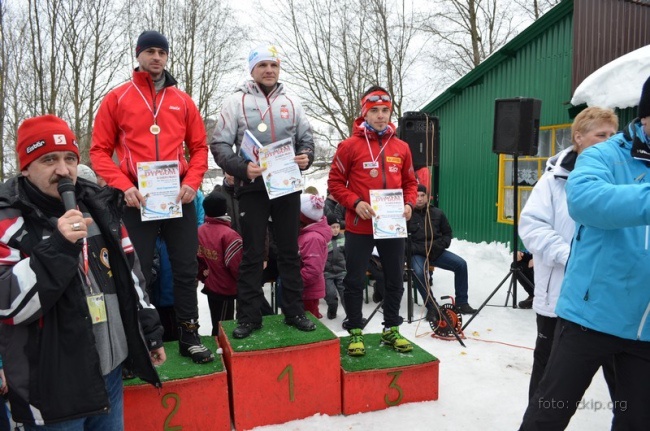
66	191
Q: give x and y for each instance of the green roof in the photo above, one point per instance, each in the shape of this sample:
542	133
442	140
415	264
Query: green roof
509	50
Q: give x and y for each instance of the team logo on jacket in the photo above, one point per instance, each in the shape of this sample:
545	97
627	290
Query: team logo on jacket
174	108
284	112
103	258
393	169
397	160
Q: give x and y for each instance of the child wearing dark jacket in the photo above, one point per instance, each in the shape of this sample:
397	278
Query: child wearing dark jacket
334	267
219	255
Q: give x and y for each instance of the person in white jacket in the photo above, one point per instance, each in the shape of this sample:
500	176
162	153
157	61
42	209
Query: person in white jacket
546	229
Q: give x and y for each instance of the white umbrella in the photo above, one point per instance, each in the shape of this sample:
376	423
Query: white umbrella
617	84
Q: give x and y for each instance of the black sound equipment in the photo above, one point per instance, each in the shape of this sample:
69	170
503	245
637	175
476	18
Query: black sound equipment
422	133
516	126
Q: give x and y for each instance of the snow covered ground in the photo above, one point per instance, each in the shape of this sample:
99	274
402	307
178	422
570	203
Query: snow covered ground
483	386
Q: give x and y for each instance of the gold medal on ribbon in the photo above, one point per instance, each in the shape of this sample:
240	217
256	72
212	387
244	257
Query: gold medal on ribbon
374	173
154	129
262	127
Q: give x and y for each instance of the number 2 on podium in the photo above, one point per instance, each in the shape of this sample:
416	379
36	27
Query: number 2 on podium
177	403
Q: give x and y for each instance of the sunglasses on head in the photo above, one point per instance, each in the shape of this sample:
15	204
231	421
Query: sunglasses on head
377	98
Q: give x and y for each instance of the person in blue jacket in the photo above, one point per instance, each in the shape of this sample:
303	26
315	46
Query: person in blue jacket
604	304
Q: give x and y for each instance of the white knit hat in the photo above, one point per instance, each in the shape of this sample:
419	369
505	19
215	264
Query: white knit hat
86	173
311	206
262	53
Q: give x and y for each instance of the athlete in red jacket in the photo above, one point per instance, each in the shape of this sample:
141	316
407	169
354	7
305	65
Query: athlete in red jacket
372	158
145	120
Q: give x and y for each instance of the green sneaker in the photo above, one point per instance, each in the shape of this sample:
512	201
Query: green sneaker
393	338
356	347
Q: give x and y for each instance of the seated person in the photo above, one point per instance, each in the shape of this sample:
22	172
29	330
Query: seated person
429	242
376	273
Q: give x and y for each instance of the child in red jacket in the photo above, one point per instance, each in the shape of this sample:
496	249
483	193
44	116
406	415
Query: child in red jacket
219	255
314	236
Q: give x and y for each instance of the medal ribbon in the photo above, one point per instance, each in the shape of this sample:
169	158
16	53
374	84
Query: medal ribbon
373	158
266	111
154	113
84	265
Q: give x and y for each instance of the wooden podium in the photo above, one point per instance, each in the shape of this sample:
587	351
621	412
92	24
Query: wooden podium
279	373
384	378
193	396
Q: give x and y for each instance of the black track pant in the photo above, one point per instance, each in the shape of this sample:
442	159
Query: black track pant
576	356
358	249
255	209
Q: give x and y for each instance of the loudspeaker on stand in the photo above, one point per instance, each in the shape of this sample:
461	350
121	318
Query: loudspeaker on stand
516	126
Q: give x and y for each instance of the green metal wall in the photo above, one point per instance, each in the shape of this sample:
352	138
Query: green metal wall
468	181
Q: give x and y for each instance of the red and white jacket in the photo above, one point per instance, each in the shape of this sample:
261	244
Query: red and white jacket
350	178
123	124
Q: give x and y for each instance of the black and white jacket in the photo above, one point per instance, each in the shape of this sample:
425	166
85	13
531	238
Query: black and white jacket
46	337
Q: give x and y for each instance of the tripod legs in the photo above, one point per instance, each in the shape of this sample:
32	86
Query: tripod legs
518	276
510	274
514	274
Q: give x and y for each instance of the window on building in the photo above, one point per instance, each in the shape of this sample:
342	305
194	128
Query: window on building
552	139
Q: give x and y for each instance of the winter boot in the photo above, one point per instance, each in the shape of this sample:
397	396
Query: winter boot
243	330
189	343
433	315
465	309
355	346
331	312
393	338
526	303
300	322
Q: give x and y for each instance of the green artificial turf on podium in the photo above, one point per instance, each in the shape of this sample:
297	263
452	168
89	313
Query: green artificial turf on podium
380	356
180	367
276	334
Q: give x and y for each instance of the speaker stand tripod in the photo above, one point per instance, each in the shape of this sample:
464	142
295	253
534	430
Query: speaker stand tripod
515	274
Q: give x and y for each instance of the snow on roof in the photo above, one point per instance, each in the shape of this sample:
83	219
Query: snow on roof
617	84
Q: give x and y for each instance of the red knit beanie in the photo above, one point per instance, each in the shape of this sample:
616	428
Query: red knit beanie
42	135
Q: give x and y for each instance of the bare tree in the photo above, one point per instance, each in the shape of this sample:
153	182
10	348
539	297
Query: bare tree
536	8
17	96
333	52
45	39
394	32
466	32
90	72
205	41
3	79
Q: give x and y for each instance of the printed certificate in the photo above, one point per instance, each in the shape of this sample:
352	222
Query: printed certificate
282	174
159	183
389	220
